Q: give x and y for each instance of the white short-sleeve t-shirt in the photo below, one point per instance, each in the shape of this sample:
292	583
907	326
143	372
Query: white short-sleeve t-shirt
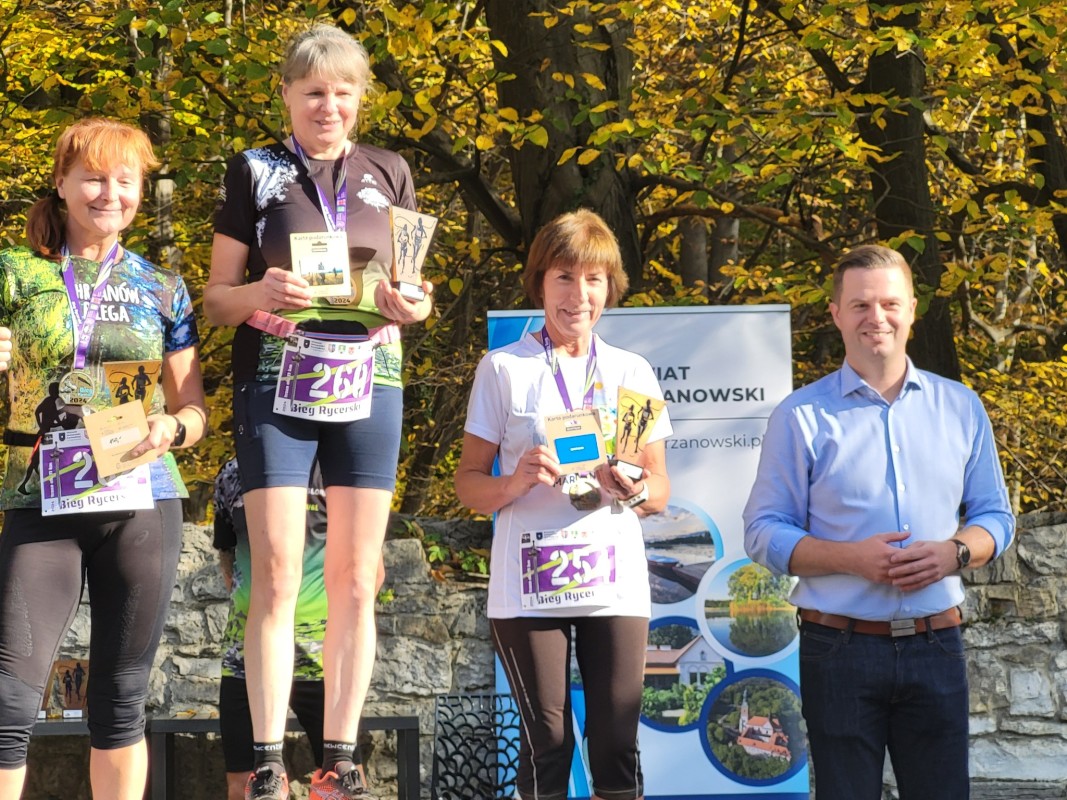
514	390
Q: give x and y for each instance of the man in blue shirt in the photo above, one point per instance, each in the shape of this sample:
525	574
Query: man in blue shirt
876	486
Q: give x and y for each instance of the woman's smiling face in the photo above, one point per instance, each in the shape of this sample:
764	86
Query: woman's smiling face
323	112
101	203
574	299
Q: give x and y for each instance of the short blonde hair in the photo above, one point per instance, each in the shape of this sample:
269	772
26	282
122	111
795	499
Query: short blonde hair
579	240
327	52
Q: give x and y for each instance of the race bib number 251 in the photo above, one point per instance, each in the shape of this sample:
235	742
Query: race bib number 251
568	568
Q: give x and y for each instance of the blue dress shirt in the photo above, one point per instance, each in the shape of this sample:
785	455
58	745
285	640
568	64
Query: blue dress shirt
840	463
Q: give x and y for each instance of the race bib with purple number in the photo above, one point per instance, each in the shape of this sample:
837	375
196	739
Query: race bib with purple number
568	568
70	485
326	378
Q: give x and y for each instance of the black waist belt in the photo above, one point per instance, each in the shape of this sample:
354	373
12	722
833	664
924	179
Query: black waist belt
20	439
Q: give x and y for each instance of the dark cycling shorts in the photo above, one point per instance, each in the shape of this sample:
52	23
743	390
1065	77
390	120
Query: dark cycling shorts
128	561
276	450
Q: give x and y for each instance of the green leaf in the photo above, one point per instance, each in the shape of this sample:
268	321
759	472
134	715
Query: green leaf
538	135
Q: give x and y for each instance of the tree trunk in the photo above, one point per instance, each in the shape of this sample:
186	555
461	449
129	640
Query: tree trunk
156	123
1049	160
901	191
693	255
724	238
544	189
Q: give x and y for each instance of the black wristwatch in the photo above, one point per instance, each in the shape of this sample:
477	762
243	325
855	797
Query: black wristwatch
963	554
179	432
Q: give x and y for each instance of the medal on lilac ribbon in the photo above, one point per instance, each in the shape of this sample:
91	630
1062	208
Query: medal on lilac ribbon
336	220
77	387
582	491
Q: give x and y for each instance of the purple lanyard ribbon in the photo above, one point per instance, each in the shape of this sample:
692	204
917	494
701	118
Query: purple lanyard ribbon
84	322
590	371
335	220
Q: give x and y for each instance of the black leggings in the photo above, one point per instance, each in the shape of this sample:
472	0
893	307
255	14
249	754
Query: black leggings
129	560
536	654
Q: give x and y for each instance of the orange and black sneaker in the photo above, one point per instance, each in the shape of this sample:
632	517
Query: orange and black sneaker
269	782
331	786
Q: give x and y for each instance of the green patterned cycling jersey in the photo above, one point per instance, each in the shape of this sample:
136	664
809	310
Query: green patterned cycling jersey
231	533
145	313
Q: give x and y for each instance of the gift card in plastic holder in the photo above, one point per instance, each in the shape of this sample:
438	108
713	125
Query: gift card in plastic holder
576	440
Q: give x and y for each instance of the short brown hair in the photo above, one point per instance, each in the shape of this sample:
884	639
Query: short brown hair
870	256
99	144
577	240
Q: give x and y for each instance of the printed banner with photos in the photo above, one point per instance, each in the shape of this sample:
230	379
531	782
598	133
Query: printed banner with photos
721	705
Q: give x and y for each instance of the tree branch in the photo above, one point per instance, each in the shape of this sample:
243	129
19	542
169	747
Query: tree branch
955	155
470	180
767	215
829	67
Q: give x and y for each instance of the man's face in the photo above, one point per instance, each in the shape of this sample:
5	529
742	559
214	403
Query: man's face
874	312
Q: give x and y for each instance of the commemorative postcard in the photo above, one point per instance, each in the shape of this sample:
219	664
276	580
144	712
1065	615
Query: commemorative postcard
576	440
322	260
112	433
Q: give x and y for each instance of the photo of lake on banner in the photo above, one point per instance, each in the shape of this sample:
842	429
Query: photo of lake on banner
680	548
746	610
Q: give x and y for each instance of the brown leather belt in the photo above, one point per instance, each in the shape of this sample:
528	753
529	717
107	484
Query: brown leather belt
897	627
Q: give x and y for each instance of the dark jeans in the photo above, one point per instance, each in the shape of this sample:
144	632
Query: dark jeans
863	694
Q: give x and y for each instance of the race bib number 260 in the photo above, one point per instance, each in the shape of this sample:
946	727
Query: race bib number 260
325	379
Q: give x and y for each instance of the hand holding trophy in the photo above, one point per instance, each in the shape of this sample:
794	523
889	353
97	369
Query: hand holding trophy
412	233
635	417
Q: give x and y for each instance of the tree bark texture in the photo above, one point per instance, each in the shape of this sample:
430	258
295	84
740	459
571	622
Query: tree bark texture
901	192
545	189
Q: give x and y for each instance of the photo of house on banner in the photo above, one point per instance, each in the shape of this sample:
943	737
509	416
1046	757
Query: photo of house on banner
681	668
753	730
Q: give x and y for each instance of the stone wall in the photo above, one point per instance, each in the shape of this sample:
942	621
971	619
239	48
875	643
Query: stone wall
434	638
1018	665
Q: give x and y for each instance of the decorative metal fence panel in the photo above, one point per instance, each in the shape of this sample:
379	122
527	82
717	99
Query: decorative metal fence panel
476	747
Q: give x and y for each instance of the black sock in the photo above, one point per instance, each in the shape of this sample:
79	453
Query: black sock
335	754
267	753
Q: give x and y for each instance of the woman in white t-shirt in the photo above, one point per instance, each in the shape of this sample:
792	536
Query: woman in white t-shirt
567	546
